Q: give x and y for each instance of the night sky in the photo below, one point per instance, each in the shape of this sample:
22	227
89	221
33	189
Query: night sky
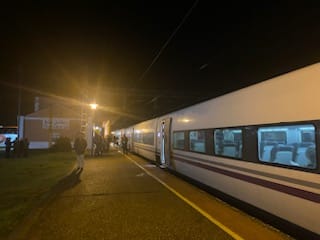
160	54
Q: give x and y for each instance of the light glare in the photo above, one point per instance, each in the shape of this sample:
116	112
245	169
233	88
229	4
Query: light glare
93	106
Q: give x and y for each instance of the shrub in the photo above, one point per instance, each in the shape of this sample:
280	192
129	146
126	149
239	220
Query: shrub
62	144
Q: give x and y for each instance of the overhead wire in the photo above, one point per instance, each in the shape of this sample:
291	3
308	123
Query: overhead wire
168	40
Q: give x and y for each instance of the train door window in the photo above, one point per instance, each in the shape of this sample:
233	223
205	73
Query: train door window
228	142
290	145
197	141
178	140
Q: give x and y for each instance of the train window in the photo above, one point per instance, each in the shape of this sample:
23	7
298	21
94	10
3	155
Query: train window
291	145
137	137
148	138
197	141
145	138
178	140
228	142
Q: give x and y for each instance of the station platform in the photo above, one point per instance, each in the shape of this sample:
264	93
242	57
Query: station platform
120	196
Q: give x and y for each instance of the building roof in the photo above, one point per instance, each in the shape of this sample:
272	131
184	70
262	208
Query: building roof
57	111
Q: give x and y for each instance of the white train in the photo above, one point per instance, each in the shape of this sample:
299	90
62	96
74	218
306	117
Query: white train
258	146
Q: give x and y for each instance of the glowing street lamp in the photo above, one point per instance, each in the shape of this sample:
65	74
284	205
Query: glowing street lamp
93	106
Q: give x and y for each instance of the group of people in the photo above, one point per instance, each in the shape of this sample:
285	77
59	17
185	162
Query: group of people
80	146
20	147
123	143
101	144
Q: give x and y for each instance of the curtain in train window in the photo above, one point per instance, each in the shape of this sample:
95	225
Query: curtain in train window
228	142
178	140
197	141
291	145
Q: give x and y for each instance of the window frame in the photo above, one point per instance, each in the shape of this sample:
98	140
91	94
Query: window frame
205	141
249	138
287	143
184	140
241	157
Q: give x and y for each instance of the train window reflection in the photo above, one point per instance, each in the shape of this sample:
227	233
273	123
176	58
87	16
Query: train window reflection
228	142
292	145
197	141
178	140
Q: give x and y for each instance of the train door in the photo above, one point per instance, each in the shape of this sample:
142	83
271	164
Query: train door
165	150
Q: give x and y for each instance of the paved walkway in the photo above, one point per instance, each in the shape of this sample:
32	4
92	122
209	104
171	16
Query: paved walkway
115	198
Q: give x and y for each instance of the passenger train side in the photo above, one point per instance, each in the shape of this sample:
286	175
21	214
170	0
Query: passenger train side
258	146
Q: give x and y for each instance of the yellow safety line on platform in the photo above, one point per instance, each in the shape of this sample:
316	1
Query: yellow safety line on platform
204	213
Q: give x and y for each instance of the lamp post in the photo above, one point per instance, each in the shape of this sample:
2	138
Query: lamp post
93	107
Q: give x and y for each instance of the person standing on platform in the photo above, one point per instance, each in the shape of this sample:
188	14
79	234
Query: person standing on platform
80	145
124	143
8	147
15	147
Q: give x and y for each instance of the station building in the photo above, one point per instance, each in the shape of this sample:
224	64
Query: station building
54	120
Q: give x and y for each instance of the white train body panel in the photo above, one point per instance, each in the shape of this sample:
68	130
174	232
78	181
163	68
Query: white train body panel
290	193
297	210
143	147
291	97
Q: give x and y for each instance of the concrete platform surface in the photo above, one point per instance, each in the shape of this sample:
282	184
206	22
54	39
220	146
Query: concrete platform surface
127	197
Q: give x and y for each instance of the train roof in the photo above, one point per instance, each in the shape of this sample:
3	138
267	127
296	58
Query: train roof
260	86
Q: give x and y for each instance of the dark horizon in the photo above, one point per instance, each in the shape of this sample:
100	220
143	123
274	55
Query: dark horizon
57	48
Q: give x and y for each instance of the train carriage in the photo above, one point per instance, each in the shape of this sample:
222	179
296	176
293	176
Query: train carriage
258	145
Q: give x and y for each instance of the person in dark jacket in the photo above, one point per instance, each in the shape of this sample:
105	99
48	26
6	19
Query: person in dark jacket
15	147
124	143
8	147
80	145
